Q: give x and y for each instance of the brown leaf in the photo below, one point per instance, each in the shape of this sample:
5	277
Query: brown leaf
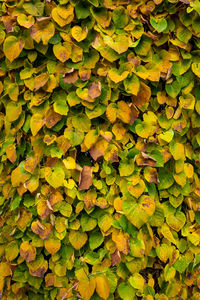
99	149
84	74
9	23
143	95
71	77
144	159
85	178
42	230
94	90
55	198
52	118
49	279
115	258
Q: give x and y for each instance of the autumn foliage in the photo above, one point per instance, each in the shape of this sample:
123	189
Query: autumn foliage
100	149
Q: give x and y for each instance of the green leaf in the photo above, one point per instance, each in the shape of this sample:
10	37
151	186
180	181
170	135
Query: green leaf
95	240
15	203
158	24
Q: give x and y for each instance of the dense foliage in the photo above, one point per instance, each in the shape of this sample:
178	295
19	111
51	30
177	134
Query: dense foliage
100	149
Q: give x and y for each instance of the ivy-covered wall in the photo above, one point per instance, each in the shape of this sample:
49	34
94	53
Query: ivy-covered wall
100	149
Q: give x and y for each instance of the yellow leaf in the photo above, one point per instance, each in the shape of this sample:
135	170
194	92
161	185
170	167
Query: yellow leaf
42	31
69	163
12	47
102	287
115	75
11	153
111	112
25	21
18	177
27	251
121	240
124	112
78	33
77	239
62	51
52	245
36	123
63	15
86	287
13	111
5	269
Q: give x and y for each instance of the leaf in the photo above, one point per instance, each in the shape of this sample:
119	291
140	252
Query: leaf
38	267
81	122
95	240
94	90
52	118
173	89
143	96
124	112
42	31
63	15
16	202
25	21
77	239
166	179
78	33
102	287
111	112
120	17
12	47
43	230
137	281
99	149
126	291
151	175
55	177
158	24
11	251
121	240
5	269
82	10
11	153
177	221
126	167
36	123
85	178
132	84
52	245
13	111
62	51
116	76
27	251
86	287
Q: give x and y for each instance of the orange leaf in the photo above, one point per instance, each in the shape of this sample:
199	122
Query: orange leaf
85	178
52	245
11	153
